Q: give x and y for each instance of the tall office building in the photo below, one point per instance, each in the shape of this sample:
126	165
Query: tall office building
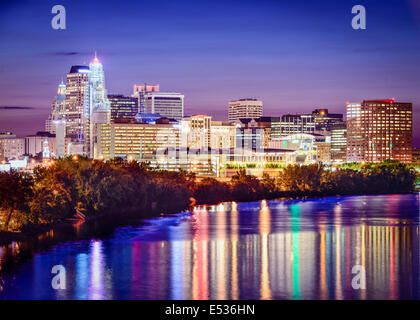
96	108
245	108
122	107
140	90
297	124
76	84
141	141
196	131
378	130
324	120
58	108
338	142
167	104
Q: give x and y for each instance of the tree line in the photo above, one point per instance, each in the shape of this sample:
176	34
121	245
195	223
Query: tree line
122	189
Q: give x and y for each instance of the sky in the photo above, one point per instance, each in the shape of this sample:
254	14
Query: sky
293	55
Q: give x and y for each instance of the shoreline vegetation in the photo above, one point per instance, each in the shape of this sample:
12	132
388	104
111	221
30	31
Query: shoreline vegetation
70	190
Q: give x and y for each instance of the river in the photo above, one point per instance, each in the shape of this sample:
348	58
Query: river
279	249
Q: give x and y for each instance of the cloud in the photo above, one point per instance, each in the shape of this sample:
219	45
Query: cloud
14	108
65	53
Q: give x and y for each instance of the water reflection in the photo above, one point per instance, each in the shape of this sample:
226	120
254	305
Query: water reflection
263	250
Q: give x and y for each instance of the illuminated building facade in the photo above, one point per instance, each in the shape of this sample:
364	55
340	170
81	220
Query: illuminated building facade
338	143
304	146
245	108
251	134
122	107
416	155
323	149
140	90
96	107
378	130
196	131
41	144
297	124
139	141
11	147
167	104
76	84
324	120
223	135
58	108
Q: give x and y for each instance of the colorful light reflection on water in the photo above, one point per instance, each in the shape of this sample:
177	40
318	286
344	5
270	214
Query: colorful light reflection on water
294	249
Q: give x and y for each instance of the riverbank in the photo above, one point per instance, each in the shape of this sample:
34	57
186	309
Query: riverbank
120	190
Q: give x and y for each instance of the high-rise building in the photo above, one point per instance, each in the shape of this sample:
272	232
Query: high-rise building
252	135
195	131
140	141
338	143
140	90
76	84
96	108
324	120
167	104
122	107
297	124
245	108
378	130
58	108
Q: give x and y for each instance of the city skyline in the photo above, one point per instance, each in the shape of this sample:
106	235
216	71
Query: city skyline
291	68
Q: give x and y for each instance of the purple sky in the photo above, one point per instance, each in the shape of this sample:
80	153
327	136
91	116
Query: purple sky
294	55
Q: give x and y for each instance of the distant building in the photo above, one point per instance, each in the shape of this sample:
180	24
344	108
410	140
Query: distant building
303	146
416	155
245	108
139	141
297	124
251	134
139	91
379	130
76	84
338	143
196	131
223	135
324	120
122	107
323	149
167	104
58	108
41	144
11	147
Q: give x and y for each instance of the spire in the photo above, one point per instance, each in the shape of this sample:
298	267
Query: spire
95	60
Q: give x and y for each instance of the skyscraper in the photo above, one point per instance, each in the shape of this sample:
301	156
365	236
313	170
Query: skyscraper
324	120
122	107
76	84
245	108
167	104
140	90
58	108
297	123
338	142
378	130
96	108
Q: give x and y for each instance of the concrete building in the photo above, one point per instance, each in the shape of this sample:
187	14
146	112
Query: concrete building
167	104
297	124
139	91
378	130
41	144
324	120
11	147
245	108
139	141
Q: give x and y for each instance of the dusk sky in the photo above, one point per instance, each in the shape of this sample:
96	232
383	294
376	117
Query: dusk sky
294	55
